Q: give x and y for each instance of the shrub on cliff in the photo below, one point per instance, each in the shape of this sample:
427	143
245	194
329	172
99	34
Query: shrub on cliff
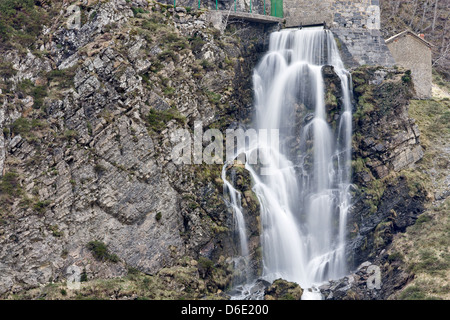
21	21
101	252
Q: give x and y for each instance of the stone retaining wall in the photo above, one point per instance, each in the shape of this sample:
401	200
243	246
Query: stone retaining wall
355	23
362	47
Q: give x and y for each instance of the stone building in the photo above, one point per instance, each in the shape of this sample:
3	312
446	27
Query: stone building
355	24
413	52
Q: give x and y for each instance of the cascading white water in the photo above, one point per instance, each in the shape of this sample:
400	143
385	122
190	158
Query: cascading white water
305	199
235	203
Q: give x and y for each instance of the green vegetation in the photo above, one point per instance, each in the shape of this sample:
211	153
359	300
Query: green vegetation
177	283
412	293
58	79
9	184
440	81
55	231
205	266
196	43
138	11
167	56
433	118
20	23
40	206
213	97
158	216
63	79
37	92
431	262
407	77
157	119
6	70
363	94
423	218
69	135
208	66
100	251
396	256
425	244
83	276
27	128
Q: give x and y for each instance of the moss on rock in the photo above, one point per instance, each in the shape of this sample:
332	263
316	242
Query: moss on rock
283	290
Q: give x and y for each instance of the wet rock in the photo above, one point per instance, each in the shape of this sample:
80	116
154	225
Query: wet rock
283	290
363	284
387	141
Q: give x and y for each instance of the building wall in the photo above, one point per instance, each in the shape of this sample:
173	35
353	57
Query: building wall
355	24
411	53
362	47
306	12
356	14
336	13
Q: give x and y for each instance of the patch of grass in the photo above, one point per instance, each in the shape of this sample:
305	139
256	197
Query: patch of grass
10	185
205	266
55	231
40	206
193	205
417	181
6	70
156	65
430	262
21	22
167	55
27	128
396	256
179	45
169	91
101	252
439	80
407	76
83	276
62	78
146	79
157	120
432	116
69	135
213	97
206	65
412	293
37	92
423	218
138	11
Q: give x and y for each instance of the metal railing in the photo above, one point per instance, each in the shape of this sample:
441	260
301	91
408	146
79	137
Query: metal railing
276	7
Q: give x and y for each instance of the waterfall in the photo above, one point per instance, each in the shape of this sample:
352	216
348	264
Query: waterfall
234	203
305	198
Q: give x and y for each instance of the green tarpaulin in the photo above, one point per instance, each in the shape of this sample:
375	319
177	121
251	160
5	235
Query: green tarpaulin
276	8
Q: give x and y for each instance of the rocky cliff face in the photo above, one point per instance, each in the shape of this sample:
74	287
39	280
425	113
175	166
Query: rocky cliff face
386	143
87	120
89	183
389	194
